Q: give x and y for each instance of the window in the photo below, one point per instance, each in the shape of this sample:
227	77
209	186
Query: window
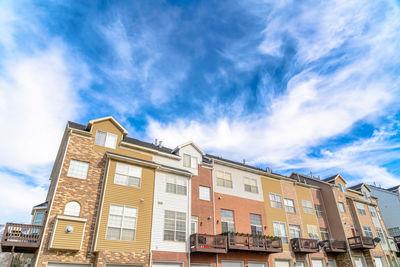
280	230
176	184
307	206
37	220
78	169
341	207
360	209
318	210
106	139
175	226
72	208
227	221
289	205
224	179
127	175
294	231
312	231
324	233
372	211
275	200
380	234
194	224
204	193
121	223
189	161
368	231
256	224
342	188
250	185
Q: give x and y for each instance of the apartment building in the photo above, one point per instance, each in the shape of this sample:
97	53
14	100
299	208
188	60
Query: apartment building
114	200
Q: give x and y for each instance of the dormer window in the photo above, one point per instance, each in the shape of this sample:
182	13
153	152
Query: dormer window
342	188
106	139
189	161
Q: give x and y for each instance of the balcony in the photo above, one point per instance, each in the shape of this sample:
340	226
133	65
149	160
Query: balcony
361	242
254	243
23	238
208	243
304	245
335	246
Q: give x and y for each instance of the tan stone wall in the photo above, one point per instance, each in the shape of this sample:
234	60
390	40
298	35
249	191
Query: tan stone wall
113	257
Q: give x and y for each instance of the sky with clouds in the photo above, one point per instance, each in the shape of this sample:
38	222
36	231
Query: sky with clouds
293	85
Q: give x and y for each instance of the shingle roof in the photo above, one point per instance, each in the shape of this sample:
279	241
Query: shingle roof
41	205
329	179
355	187
75	125
395	188
148	145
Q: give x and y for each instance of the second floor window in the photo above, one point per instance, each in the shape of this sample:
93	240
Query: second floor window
224	179
280	230
289	205
106	139
324	233
341	207
37	220
189	161
174	226
318	210
256	224
307	207
128	175
360	209
176	184
294	231
250	185
121	223
227	221
204	193
368	231
78	169
312	231
380	234
275	201
194	224
372	211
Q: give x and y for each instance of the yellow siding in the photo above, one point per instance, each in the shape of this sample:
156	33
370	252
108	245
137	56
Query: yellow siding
306	218
270	185
128	196
68	241
110	127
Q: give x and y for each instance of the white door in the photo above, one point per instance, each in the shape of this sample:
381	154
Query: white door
165	264
332	263
67	265
282	263
232	264
257	264
360	262
379	262
317	263
300	264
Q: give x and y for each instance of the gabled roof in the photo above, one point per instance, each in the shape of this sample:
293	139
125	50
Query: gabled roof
358	187
187	144
394	188
333	178
91	122
147	144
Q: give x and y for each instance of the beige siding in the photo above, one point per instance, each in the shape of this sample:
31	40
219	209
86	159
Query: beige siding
69	241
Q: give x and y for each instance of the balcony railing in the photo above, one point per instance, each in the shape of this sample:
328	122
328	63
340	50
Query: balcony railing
392	244
208	243
361	242
335	246
21	237
254	243
304	245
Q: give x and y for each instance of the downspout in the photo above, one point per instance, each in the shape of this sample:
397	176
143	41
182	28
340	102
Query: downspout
190	214
213	198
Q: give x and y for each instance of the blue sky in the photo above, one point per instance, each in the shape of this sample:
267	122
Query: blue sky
296	86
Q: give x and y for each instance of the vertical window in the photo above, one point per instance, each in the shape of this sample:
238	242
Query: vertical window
368	231
294	231
194	224
318	210
106	139
275	200
227	221
372	211
324	233
189	161
289	205
127	175
307	207
174	226
342	188
78	169
37	220
280	230
72	208
250	185
312	231
121	223
204	193
380	234
256	224
360	209
176	184
341	207
224	179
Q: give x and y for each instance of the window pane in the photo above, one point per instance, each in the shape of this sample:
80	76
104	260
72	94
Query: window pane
129	223
204	193
72	208
115	221
111	140
255	219
122	168
78	169
116	210
169	235
113	233
180	236
171	188
135	171
100	138
169	224
181	225
134	181
193	163
181	190
120	179
181	215
186	160
128	235
170	214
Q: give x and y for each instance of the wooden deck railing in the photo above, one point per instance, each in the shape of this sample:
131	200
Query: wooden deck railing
254	243
361	242
208	243
335	246
21	235
304	245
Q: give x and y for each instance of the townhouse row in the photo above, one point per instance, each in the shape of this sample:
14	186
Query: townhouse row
115	200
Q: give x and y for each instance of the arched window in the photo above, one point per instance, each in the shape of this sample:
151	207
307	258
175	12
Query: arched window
72	208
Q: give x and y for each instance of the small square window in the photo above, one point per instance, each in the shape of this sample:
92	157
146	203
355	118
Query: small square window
189	161
106	139
204	193
78	169
341	207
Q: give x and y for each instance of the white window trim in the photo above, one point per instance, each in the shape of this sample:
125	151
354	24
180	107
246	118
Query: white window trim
108	218
105	141
70	172
223	179
286	231
307	209
288	200
176	178
186	230
251	186
192	159
129	165
79	210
